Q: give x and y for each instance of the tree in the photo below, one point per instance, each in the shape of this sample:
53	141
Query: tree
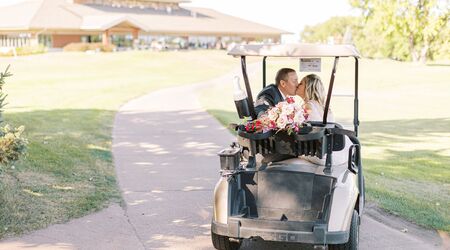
415	26
335	27
347	29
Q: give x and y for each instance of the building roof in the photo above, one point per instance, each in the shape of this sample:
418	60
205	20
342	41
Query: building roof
148	1
57	15
165	1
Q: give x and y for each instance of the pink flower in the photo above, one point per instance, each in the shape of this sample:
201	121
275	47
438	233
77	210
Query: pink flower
285	115
305	113
272	125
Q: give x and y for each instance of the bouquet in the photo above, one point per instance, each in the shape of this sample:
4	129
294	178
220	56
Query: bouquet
286	115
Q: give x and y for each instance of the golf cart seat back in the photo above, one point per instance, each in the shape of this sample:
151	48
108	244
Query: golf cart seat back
338	139
311	141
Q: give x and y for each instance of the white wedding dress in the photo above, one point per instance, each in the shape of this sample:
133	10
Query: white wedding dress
316	114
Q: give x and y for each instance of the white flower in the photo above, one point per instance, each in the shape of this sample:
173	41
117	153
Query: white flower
287	109
272	114
282	121
299	117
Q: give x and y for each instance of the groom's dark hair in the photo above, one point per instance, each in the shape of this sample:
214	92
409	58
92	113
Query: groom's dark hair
282	75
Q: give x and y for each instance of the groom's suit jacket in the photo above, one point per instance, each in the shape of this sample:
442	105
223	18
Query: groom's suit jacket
268	97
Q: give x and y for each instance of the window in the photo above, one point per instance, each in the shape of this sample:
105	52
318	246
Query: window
45	40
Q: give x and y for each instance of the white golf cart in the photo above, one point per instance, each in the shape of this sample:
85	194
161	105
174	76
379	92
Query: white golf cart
288	201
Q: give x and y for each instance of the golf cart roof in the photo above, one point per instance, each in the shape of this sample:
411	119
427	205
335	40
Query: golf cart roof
295	50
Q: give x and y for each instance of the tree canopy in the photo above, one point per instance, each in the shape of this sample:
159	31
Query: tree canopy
401	29
335	28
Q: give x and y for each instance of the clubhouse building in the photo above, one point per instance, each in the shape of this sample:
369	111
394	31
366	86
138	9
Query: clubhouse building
125	23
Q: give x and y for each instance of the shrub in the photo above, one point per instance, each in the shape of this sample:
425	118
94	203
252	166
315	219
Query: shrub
76	47
12	144
26	50
31	50
89	46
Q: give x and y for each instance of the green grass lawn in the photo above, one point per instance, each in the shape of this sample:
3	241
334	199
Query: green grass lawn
405	131
67	103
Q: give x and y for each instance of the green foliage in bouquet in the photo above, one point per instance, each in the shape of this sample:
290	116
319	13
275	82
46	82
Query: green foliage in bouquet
12	144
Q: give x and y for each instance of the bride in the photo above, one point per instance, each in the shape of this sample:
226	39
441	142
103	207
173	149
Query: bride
312	91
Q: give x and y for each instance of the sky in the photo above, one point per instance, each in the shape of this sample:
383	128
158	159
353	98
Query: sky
288	15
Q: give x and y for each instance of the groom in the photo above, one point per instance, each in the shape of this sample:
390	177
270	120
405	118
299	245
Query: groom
286	82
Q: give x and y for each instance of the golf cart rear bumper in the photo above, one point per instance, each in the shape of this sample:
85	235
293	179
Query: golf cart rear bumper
285	231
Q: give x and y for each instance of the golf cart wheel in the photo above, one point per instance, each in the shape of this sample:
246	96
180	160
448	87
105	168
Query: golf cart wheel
353	239
223	242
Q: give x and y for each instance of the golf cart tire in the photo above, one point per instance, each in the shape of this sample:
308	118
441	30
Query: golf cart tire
223	242
353	239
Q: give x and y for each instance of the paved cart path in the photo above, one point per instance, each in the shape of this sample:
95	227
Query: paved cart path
164	147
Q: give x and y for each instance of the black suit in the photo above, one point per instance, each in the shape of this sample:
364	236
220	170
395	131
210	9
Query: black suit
268	97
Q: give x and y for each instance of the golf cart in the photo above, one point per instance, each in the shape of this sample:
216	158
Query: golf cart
290	200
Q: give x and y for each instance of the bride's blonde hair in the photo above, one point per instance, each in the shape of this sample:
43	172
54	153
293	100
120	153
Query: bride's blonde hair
314	89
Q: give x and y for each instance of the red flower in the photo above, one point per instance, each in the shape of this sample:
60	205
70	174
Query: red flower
248	127
290	100
258	125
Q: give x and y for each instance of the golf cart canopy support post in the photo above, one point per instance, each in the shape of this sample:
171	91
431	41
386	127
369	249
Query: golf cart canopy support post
355	102
248	89
264	71
330	91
